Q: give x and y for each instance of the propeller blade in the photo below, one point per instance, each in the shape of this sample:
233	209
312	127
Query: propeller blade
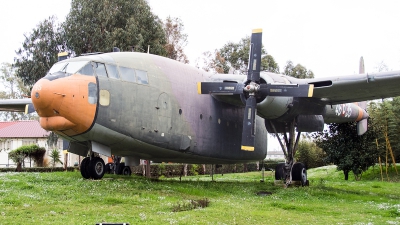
224	88
295	90
255	56
248	133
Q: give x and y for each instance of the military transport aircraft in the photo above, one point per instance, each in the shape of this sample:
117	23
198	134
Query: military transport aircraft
144	106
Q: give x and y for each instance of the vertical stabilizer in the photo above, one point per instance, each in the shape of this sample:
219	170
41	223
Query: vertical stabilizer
362	68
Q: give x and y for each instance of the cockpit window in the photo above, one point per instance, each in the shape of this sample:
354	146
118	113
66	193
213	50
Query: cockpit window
87	70
64	69
142	77
112	71
100	69
73	67
57	67
127	74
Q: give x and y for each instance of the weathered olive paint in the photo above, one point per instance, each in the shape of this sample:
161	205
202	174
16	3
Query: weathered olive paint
167	120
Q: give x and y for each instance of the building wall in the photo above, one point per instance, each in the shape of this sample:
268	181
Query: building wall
11	144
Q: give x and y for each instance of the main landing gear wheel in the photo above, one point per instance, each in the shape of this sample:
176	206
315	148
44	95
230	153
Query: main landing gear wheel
126	171
93	168
299	173
97	168
84	168
280	171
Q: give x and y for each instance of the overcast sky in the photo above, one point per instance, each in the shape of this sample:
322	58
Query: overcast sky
327	37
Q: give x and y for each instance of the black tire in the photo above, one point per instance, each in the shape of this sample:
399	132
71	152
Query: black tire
280	171
84	168
97	168
108	168
119	168
299	173
126	171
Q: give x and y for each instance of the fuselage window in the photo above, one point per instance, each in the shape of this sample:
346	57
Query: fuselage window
100	69
112	71
92	93
142	77
87	70
127	74
104	98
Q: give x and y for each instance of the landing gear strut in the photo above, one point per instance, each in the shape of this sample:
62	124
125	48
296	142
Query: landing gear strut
290	171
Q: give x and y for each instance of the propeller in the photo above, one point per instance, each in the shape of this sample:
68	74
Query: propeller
252	89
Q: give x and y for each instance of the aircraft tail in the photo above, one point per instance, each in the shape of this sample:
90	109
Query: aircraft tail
362	125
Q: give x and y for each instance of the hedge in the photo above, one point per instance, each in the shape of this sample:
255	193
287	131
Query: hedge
174	170
39	169
170	169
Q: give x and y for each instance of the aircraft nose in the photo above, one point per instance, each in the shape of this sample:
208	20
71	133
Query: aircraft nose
44	98
66	105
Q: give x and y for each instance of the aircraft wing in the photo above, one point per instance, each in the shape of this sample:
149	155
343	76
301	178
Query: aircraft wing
355	88
17	105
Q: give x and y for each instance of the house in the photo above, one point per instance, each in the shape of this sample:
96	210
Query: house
14	134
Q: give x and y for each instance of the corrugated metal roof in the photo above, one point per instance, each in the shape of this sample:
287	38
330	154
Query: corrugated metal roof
22	129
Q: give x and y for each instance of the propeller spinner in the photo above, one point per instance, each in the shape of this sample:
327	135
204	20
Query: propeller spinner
254	89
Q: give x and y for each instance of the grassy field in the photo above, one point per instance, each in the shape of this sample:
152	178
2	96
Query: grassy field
66	198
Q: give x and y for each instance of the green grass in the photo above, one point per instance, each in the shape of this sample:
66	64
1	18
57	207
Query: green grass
66	198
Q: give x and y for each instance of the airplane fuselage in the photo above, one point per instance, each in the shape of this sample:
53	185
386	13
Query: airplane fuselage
162	118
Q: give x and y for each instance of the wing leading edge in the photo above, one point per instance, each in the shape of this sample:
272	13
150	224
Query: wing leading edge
17	105
356	88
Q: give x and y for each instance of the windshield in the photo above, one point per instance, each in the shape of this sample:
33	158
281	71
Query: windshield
67	67
64	69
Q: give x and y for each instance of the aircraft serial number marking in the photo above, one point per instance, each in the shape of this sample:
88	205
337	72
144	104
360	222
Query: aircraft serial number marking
343	110
275	90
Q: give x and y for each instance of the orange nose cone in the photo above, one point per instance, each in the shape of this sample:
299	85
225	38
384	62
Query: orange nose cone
63	104
44	99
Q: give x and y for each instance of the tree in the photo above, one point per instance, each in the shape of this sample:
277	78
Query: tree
176	39
233	58
347	150
268	64
39	51
98	26
13	89
32	151
297	71
310	154
52	140
385	115
55	157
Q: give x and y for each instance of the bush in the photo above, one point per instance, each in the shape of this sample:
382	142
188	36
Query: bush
32	151
310	154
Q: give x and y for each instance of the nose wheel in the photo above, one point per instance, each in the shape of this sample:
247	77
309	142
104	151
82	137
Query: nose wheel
93	168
